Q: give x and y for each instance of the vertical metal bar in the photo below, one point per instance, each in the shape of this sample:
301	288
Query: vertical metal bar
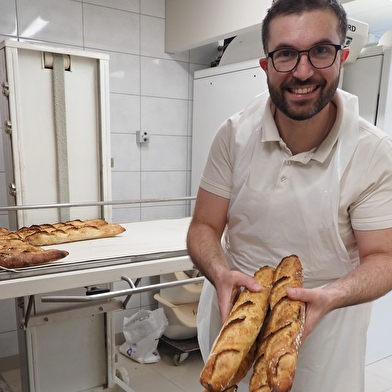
133	285
28	311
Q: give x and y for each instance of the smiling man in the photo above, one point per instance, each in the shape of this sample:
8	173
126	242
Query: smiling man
299	172
303	80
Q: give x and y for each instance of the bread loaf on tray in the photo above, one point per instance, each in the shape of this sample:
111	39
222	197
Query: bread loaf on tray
231	356
279	342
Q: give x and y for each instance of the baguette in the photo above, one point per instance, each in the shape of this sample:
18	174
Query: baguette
70	231
259	379
277	353
244	368
222	370
15	253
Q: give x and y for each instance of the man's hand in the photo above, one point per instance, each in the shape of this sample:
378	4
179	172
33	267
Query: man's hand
229	288
317	306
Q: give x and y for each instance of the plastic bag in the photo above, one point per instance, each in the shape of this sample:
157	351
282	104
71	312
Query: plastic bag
142	332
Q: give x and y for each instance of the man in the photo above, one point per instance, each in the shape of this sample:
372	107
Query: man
298	172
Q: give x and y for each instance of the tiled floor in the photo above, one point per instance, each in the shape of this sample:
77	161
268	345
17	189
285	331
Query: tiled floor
379	376
184	378
167	377
164	375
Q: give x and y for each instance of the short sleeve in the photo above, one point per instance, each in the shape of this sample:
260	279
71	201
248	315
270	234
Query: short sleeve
217	174
373	208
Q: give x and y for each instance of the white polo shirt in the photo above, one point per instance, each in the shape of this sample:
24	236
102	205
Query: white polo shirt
365	185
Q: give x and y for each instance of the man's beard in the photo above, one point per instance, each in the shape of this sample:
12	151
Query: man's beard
304	111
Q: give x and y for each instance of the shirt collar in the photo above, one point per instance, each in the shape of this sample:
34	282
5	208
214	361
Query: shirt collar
270	133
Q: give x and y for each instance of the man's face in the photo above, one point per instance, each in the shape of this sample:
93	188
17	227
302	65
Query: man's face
303	92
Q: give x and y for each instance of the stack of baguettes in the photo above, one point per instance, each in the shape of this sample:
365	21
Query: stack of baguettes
264	329
22	248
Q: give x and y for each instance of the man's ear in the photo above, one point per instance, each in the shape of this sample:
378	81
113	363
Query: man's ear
264	64
345	52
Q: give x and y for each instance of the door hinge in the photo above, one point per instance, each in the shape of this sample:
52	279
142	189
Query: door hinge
6	89
12	189
8	127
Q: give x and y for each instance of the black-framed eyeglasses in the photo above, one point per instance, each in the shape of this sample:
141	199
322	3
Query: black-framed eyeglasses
320	56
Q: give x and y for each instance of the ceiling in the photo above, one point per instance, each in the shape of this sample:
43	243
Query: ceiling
376	13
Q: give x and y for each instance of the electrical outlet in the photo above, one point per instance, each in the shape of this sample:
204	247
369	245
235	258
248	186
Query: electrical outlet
142	137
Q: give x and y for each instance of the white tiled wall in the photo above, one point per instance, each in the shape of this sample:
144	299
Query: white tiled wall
149	90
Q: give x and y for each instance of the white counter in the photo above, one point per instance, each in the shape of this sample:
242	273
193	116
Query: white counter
144	249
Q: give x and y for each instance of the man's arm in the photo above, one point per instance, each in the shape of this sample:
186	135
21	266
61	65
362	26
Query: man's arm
369	281
205	250
205	233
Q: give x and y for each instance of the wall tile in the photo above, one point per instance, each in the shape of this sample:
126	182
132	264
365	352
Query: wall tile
153	8
125	152
126	186
7	323
164	116
51	21
164	78
164	211
164	153
8	344
8	17
126	214
124	113
190	119
157	185
126	5
110	29
124	73
152	37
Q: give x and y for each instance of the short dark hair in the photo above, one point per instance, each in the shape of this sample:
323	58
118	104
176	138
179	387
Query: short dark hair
288	7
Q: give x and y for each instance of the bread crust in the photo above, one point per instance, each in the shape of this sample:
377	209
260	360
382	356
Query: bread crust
70	231
22	248
222	370
280	340
15	253
274	349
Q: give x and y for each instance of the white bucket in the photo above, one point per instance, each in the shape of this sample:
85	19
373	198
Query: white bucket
181	318
187	293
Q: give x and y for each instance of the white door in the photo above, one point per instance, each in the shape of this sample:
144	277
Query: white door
218	94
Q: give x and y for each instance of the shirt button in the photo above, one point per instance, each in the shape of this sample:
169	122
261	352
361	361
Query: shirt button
287	163
283	179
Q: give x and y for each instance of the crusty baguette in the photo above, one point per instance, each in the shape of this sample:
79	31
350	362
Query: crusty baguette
62	232
277	354
15	253
237	336
244	368
259	379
